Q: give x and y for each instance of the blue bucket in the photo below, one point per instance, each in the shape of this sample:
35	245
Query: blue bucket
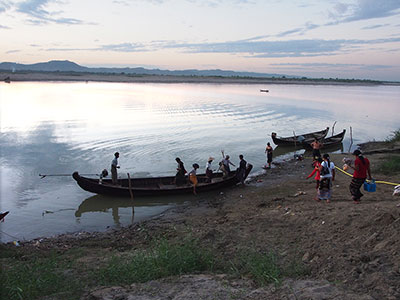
370	186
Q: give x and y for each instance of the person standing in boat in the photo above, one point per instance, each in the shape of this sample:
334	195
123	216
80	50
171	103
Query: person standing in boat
180	172
241	171
316	146
225	164
269	150
193	177
114	167
209	171
361	169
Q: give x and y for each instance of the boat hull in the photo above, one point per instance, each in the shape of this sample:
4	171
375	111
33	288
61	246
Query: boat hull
299	139
156	186
329	142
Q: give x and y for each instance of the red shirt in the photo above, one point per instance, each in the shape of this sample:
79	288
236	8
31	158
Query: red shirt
316	170
362	168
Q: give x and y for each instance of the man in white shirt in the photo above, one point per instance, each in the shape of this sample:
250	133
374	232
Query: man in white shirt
114	166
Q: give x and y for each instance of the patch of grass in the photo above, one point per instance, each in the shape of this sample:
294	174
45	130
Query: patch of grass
36	278
394	137
263	268
266	268
391	165
162	260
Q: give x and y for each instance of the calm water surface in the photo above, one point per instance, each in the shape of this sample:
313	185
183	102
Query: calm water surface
58	128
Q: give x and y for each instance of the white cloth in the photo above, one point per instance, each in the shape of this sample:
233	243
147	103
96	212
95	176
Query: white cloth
208	166
114	162
324	164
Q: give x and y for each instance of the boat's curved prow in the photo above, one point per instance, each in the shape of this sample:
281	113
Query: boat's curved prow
76	175
248	170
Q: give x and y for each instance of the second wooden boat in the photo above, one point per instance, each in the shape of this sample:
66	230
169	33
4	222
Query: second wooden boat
297	140
328	142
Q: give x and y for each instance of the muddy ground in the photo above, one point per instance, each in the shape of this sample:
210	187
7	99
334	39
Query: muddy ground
351	251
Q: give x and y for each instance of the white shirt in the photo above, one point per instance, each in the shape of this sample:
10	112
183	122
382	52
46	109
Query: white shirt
208	166
331	167
114	162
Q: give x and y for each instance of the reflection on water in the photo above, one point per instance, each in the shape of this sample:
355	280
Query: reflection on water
59	128
105	204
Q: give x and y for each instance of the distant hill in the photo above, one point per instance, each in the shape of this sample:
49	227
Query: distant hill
69	66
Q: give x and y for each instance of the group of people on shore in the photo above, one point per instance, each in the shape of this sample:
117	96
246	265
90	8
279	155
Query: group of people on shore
324	171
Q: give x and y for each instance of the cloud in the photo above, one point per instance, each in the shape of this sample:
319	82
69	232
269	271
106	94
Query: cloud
4	5
4	27
364	10
300	30
375	26
345	13
291	48
12	51
38	13
123	47
313	66
252	47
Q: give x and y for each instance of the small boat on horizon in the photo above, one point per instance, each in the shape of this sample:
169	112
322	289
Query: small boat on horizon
297	140
264	91
155	186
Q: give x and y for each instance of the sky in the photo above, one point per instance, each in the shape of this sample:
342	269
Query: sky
313	38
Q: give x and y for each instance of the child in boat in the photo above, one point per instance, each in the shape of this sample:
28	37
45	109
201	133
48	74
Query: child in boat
193	177
316	164
209	171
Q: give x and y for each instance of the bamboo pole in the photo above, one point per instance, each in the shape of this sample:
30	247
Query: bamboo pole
49	175
294	136
130	186
333	128
351	138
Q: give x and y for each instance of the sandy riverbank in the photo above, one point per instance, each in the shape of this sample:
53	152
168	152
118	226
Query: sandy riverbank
87	77
349	251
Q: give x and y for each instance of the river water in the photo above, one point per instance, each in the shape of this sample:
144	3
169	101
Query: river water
59	128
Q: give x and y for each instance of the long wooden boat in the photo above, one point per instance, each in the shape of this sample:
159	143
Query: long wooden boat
155	186
328	142
299	139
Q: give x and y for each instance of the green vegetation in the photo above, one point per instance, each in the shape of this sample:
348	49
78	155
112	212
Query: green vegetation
34	274
394	137
390	166
262	267
265	268
163	260
36	277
